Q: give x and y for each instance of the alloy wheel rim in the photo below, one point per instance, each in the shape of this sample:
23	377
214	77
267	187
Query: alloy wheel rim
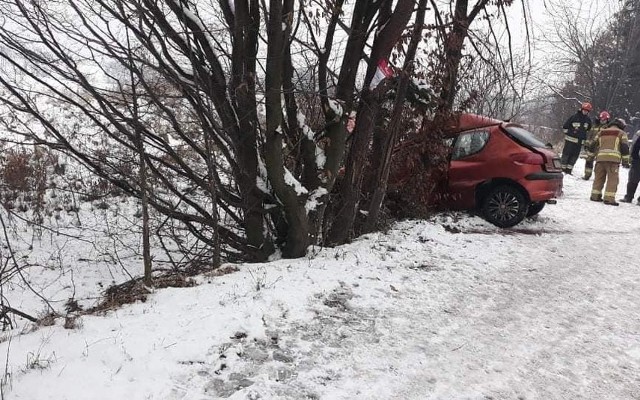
504	206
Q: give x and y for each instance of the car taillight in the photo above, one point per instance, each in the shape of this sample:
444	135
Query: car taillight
527	158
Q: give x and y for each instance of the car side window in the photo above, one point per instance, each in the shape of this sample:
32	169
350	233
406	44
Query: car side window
469	143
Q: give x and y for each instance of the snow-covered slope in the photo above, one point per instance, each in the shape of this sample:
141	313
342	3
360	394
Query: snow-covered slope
451	308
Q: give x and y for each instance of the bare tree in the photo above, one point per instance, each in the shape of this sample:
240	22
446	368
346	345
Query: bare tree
594	48
577	40
225	122
452	29
142	167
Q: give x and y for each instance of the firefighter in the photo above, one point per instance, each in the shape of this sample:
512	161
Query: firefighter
634	171
601	122
611	147
575	132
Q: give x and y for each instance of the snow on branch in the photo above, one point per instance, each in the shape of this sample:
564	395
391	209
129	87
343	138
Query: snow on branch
321	158
313	200
262	181
336	107
195	19
290	180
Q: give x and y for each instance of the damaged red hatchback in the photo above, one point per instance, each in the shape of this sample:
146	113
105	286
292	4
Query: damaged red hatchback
500	169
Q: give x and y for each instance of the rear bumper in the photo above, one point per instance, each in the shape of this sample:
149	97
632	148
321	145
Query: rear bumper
545	176
543	186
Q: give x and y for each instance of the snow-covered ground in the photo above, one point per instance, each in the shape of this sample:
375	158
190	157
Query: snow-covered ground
451	308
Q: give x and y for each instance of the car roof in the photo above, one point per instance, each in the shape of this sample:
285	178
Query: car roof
466	121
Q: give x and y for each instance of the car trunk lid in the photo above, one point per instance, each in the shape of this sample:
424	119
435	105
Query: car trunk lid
530	141
552	161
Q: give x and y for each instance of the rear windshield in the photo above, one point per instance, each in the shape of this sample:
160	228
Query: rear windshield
524	136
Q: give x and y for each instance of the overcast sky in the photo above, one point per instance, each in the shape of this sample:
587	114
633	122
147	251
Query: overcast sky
543	15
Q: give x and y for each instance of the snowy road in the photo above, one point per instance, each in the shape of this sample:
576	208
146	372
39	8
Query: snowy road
551	311
455	309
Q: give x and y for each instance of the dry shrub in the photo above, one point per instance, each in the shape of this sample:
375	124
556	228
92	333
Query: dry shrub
25	175
48	319
135	290
71	322
225	270
96	190
17	170
72	306
417	184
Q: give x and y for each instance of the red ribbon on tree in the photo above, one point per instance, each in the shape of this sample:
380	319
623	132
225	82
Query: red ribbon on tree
382	72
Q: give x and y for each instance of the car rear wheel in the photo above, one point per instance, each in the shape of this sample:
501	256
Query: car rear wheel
505	206
535	208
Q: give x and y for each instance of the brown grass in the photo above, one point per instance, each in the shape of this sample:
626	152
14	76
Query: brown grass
135	290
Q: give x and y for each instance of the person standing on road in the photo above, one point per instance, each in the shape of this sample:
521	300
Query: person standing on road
575	132
634	126
600	123
634	171
611	147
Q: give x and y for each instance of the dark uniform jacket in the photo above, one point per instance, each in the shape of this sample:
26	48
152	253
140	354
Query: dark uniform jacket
576	127
591	135
635	151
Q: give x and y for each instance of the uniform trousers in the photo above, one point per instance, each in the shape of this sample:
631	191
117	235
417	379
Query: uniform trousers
634	179
605	171
570	154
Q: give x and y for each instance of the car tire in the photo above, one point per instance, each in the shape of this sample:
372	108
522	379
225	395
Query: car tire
535	208
505	206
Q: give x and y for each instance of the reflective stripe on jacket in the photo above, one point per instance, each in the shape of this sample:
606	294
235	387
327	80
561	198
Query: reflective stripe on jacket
577	126
611	144
571	139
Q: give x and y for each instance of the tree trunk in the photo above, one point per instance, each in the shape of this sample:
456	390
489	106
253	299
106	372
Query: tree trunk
288	191
146	245
388	35
342	225
454	42
142	170
393	131
215	261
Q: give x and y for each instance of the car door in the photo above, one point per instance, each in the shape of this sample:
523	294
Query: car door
465	167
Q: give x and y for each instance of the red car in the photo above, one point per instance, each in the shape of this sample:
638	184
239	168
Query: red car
500	169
